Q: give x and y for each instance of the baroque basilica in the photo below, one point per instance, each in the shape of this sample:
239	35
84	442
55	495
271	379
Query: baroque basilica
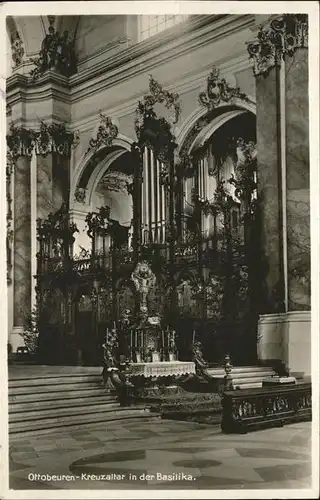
158	190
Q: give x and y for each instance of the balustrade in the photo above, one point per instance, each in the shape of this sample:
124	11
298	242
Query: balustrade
246	410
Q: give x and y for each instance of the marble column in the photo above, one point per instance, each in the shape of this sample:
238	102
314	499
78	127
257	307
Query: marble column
283	148
52	183
297	180
269	186
22	242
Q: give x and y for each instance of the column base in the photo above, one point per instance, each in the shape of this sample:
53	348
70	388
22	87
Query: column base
297	342
286	338
16	338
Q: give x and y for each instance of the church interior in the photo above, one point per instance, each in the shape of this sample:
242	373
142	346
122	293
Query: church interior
158	244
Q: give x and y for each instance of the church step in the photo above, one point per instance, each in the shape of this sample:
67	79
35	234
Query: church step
48	389
70	421
61	412
137	418
63	403
247	380
53	396
48	380
247	385
242	372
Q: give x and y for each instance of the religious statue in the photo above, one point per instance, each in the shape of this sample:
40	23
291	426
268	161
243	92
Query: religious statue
143	279
56	52
110	354
197	355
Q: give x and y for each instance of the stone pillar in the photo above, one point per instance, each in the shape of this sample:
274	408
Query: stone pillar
21	244
281	68
297	328
52	183
269	186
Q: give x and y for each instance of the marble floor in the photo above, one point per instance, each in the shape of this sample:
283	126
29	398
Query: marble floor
162	455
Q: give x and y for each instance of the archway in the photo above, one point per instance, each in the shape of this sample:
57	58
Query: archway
213	156
102	188
102	181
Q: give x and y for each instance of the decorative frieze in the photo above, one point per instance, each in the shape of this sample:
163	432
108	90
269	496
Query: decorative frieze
280	37
219	91
106	134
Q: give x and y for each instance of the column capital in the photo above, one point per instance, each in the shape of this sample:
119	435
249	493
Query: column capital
53	138
276	38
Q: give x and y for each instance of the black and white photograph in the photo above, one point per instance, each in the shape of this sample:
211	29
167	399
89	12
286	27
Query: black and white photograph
159	254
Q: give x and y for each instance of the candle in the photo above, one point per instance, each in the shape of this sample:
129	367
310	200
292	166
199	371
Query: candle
194	336
131	339
107	336
114	325
162	339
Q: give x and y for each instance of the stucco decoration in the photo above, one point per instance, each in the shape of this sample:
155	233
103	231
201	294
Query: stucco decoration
107	132
17	49
279	37
219	91
155	131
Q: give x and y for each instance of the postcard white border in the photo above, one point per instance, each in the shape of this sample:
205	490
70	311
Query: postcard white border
170	7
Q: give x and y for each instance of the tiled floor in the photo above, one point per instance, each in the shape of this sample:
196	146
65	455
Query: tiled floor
143	455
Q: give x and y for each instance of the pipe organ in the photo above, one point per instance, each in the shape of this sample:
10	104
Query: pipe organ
153	210
207	183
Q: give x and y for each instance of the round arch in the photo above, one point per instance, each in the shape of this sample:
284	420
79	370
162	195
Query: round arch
122	144
220	115
100	171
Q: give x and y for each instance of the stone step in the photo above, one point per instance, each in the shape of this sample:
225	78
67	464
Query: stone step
53	396
47	389
248	385
241	372
61	412
69	421
63	403
47	380
247	380
136	418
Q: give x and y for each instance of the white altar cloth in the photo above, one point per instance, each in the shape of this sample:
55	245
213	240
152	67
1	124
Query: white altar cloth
162	368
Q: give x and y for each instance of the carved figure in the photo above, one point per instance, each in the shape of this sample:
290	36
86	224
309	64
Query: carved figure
197	356
143	279
55	52
110	354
